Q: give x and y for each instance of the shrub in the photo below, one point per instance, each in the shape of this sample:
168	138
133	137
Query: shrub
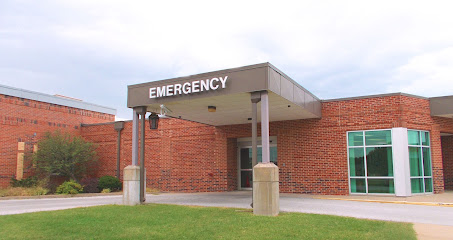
20	191
61	154
106	190
69	187
109	182
26	182
38	191
90	185
153	191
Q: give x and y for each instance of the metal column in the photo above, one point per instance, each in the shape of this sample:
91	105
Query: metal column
255	98
142	155
118	126
265	126
135	138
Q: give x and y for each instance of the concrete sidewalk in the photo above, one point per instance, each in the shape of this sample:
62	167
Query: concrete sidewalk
443	199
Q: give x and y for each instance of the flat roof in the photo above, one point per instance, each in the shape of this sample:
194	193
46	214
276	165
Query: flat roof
63	101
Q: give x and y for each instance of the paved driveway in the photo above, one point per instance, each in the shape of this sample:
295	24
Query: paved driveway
291	203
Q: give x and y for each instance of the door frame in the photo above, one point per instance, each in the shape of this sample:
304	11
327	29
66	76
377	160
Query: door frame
247	143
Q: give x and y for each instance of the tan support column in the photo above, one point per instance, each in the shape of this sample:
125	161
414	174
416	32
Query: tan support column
265	174
131	175
131	185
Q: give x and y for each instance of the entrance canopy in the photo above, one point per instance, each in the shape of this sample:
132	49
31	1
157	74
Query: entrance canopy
228	92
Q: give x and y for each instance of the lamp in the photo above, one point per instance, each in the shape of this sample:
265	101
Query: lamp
212	108
153	121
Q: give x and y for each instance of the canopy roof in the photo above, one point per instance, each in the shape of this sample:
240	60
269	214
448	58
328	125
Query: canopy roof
229	91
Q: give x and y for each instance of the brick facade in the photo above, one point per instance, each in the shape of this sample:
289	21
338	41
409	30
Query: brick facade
192	157
25	121
312	153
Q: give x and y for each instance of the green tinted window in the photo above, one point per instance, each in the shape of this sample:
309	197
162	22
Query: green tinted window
413	137
273	155
381	186
415	161
379	161
356	162
355	138
427	162
378	138
358	185
428	185
417	185
425	138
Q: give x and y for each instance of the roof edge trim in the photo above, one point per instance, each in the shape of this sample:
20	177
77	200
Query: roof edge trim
373	96
42	97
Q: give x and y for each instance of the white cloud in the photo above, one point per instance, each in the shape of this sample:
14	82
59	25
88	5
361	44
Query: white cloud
429	74
333	48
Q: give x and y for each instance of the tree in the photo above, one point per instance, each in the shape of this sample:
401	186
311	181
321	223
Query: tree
64	155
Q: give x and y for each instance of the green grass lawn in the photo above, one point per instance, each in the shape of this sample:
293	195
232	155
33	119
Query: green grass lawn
181	222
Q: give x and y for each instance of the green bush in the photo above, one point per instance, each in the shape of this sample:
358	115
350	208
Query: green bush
21	191
106	190
26	182
109	182
69	187
62	154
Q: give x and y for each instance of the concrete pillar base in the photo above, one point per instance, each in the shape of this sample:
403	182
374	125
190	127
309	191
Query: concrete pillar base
265	190
131	185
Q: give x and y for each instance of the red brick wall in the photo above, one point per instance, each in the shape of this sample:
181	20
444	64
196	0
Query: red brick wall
179	156
447	155
417	115
23	120
312	153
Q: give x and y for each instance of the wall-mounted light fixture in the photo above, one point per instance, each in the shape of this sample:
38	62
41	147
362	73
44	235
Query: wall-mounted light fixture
153	121
212	108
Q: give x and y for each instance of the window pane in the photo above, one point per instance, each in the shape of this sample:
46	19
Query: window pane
379	161
246	158
259	154
355	138
427	162
415	161
358	185
380	186
378	137
273	155
425	138
413	137
246	179
428	185
356	163
417	185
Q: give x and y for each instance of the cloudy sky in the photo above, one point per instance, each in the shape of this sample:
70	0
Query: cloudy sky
93	49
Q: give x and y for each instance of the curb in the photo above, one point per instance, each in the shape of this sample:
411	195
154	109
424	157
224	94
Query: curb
394	202
60	196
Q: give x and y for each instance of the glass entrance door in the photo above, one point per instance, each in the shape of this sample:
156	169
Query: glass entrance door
245	164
